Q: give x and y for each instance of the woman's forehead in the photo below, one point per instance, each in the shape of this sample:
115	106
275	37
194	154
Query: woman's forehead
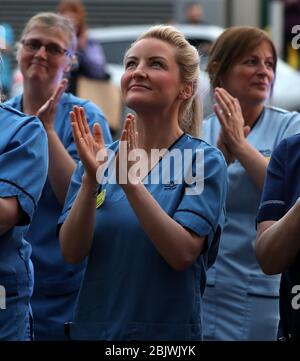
41	31
151	46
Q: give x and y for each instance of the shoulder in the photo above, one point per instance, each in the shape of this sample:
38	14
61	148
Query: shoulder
14	102
10	115
211	153
210	117
21	130
210	123
290	142
280	113
8	107
200	143
69	100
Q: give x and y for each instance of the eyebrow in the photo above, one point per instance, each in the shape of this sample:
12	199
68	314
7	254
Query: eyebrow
155	57
255	56
39	40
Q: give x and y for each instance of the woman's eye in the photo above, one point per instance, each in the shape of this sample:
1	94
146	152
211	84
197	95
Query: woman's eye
129	64
250	61
157	64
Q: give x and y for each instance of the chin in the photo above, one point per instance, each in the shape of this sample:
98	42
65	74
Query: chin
137	104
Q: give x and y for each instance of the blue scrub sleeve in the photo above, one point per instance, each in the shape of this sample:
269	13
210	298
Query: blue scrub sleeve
93	115
292	126
204	213
273	206
24	166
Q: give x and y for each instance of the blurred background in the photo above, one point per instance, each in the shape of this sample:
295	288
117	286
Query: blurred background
262	13
114	24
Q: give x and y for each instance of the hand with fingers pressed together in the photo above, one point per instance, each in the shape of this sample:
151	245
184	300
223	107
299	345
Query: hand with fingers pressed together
233	129
88	144
127	154
47	111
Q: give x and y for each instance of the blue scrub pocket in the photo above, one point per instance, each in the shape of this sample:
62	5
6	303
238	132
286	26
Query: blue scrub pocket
8	314
15	318
263	308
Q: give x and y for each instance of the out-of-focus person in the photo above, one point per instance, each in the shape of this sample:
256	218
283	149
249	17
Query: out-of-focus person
194	13
6	46
91	61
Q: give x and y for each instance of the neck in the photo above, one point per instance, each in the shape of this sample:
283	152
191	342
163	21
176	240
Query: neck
157	133
34	97
251	113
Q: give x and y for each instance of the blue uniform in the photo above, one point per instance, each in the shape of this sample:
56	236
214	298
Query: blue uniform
129	292
23	172
240	301
56	283
280	193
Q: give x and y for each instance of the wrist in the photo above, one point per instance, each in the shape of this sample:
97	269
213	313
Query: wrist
131	187
240	149
90	185
49	129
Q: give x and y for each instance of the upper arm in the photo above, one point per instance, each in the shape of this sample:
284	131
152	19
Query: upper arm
24	167
11	214
202	212
273	201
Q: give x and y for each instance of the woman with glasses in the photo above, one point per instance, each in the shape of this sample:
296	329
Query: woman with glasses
23	172
45	54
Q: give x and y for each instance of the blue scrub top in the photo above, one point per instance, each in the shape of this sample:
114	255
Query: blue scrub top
54	277
23	172
129	292
280	193
240	301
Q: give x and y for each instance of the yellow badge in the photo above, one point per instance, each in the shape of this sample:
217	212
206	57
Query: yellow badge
100	198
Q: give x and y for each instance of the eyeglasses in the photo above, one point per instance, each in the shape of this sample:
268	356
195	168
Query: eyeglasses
33	46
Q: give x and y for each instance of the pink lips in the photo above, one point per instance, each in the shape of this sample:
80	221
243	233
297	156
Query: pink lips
39	64
137	87
265	85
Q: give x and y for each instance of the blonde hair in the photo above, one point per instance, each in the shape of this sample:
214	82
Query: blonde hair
187	58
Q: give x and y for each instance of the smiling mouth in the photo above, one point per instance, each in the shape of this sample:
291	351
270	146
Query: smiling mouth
261	85
39	64
138	86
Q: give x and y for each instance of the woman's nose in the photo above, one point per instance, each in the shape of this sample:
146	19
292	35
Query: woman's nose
263	69
41	51
139	71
